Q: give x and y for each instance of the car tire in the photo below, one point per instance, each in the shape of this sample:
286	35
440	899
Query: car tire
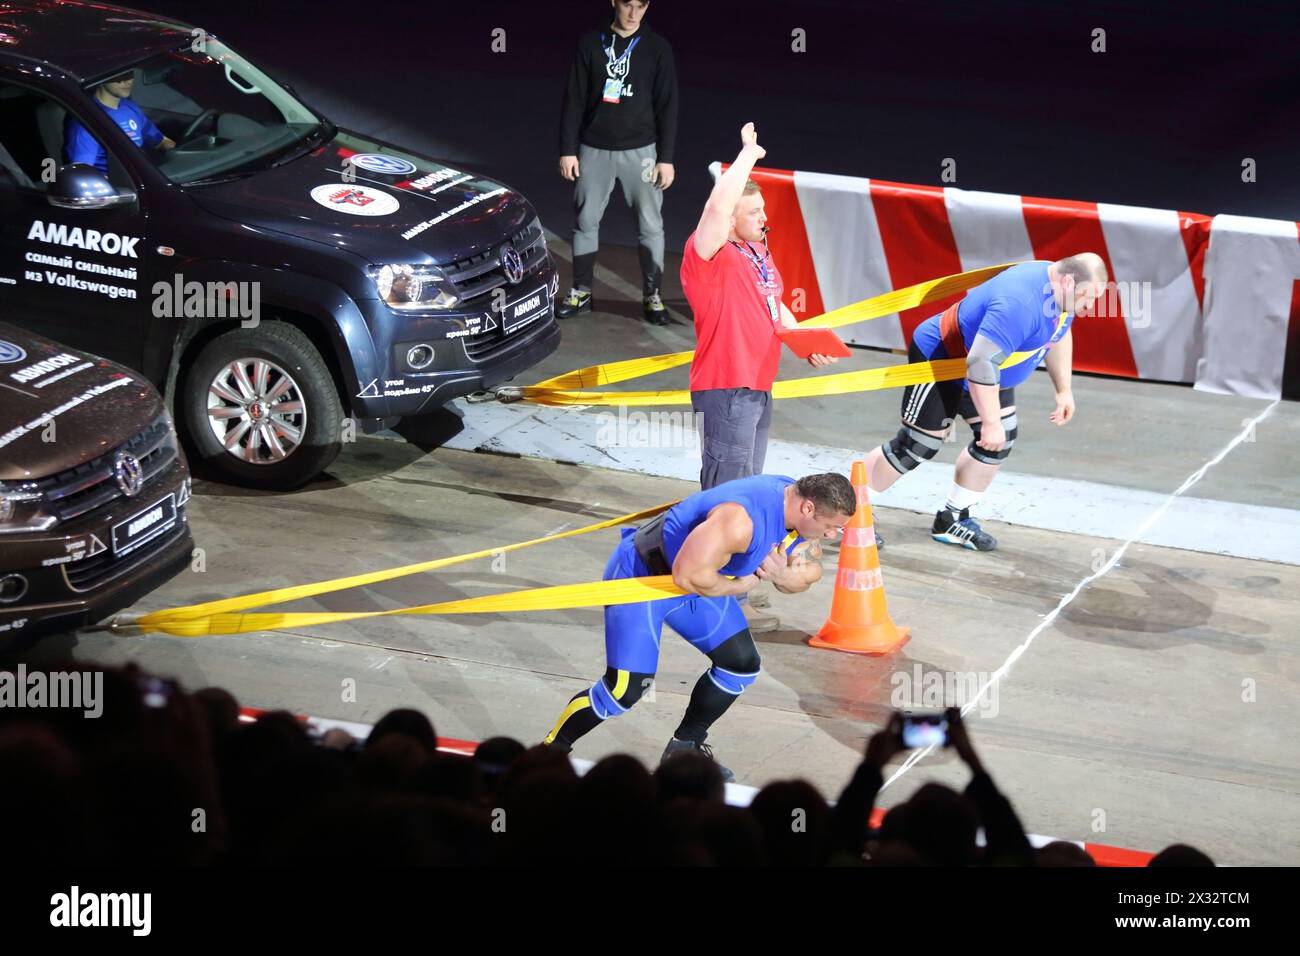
270	385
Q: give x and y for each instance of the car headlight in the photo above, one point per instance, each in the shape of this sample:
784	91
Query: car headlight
22	508
414	288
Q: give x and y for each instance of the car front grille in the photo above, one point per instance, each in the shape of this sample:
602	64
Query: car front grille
90	573
487	346
91	485
476	276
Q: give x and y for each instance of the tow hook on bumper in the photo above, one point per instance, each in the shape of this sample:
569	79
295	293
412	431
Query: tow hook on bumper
506	394
122	624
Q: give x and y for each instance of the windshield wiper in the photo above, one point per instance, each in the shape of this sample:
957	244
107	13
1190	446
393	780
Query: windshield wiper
294	150
307	144
222	178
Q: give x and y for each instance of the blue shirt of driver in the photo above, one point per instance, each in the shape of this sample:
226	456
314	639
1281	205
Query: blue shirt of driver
82	147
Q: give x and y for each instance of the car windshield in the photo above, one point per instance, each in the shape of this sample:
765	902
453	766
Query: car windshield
225	115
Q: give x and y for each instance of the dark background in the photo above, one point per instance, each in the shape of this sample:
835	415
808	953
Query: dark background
1008	88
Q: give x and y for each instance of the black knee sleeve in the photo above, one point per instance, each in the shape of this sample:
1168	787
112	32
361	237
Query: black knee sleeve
909	448
737	654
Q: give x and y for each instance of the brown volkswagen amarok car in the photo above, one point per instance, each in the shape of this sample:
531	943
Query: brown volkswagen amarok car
93	488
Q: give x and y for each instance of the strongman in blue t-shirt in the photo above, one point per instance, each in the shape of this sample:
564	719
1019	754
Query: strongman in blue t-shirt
716	544
1027	308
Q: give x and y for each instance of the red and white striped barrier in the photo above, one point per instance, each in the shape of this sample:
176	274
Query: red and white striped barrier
1213	301
738	795
319	725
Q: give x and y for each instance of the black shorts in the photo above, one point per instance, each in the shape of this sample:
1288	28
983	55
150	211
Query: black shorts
933	406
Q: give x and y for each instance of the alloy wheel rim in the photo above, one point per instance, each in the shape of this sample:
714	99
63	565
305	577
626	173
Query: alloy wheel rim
256	411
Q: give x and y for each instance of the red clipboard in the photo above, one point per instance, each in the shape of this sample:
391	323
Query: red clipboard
806	343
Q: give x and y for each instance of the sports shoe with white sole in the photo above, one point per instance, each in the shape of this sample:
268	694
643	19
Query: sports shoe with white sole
959	528
578	300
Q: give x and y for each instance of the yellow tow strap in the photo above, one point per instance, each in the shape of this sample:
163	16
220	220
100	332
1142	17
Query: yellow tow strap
225	616
570	388
229	615
560	597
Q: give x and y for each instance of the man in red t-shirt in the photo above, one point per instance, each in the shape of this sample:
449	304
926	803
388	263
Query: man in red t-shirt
734	289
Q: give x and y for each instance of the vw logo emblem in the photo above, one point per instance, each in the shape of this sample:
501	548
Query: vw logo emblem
512	264
128	474
11	353
387	165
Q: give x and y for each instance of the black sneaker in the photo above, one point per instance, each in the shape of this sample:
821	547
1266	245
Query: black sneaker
676	746
578	300
880	542
959	528
654	310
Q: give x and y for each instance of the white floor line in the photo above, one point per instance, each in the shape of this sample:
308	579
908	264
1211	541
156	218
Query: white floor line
917	756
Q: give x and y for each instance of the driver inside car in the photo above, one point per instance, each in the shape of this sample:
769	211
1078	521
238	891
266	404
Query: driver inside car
114	97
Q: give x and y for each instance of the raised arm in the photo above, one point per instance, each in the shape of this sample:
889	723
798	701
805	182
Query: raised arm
715	222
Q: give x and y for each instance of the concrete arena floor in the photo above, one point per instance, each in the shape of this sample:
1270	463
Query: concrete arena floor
1129	704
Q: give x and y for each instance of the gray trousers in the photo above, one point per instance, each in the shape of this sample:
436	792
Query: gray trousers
734	424
598	170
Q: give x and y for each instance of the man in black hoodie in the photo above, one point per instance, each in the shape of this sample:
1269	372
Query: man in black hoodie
618	122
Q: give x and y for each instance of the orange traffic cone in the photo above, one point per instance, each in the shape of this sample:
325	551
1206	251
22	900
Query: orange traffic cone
859	621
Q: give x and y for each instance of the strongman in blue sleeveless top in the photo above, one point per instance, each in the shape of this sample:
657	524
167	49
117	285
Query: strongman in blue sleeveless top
716	544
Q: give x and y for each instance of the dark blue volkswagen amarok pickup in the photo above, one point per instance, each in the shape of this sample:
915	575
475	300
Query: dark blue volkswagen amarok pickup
168	205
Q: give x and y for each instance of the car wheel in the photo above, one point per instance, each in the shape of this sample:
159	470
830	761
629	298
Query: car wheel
261	409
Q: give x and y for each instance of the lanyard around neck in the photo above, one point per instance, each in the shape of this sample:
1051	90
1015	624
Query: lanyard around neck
759	263
609	50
